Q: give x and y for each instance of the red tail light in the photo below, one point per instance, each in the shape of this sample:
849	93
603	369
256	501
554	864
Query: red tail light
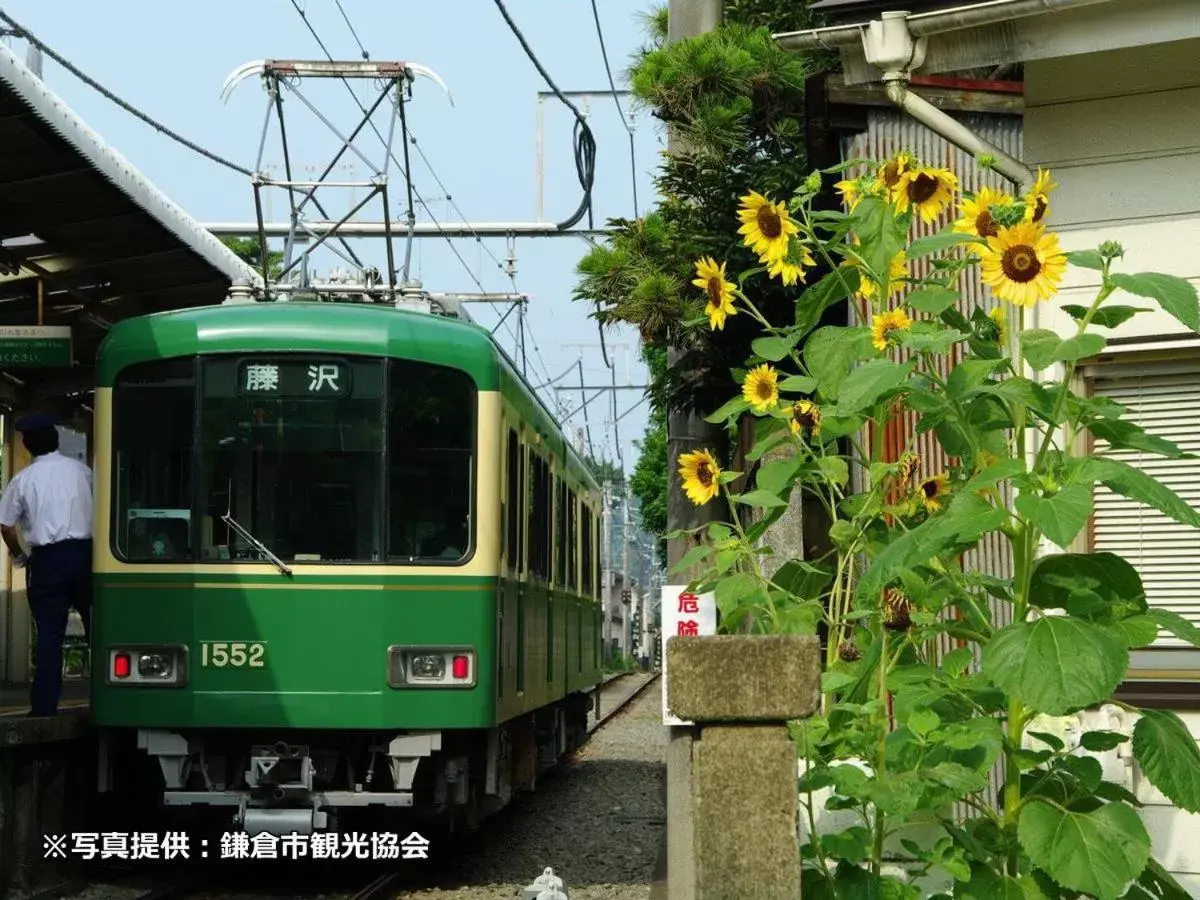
121	665
460	667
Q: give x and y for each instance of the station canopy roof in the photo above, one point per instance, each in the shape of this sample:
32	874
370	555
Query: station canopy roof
103	241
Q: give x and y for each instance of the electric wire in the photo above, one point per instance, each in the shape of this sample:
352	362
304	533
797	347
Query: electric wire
518	340
22	31
613	87
585	142
346	18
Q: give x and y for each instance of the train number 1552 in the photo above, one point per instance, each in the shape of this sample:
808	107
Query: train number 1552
222	654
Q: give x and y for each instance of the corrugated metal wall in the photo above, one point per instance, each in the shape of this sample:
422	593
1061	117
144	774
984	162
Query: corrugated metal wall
889	132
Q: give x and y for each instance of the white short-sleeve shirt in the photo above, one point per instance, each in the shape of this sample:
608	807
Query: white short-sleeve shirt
51	500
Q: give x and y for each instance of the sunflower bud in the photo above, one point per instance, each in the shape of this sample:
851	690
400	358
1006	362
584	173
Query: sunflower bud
897	610
812	183
1111	250
847	652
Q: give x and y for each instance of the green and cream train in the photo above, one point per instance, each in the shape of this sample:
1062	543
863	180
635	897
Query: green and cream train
345	559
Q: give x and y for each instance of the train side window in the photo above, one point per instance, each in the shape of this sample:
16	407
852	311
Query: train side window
588	585
572	542
513	503
563	576
154	435
539	519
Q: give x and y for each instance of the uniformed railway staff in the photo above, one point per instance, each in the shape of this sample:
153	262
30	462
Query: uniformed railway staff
51	500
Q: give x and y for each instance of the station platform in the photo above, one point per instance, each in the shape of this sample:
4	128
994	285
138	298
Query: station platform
14	698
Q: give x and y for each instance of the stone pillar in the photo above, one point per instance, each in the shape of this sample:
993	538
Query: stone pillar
741	691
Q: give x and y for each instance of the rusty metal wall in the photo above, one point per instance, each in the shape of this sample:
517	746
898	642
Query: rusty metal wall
889	132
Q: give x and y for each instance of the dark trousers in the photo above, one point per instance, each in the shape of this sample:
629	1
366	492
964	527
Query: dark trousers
58	578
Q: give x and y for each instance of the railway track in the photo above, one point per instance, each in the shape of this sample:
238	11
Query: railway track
204	880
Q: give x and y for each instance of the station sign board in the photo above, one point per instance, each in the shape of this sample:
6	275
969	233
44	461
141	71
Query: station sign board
27	346
684	614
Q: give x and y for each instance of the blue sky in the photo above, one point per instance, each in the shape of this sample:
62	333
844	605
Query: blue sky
170	59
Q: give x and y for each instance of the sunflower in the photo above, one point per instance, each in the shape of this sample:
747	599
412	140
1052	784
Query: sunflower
766	226
761	388
868	289
1037	201
885	324
701	476
805	416
720	292
933	491
976	214
897	610
1023	264
999	316
848	652
926	190
908	466
790	267
891	173
851	192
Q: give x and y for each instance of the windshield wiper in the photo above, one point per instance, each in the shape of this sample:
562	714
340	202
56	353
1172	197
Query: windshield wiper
255	543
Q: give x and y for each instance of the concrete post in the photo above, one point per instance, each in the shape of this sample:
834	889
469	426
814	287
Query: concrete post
741	691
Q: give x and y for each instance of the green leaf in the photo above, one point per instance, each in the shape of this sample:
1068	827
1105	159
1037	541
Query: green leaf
1176	624
733	589
933	299
943	240
1122	478
970	374
930	340
695	556
923	721
773	348
1056	665
1079	347
1085	583
835	469
1050	740
956	661
833	288
1096	852
957	777
1039	346
798	384
1105	316
1136	631
803	579
1060	517
994	474
986	884
732	408
1128	436
882	234
1087	259
832	682
831	352
776	476
761	500
1175	295
1023	392
1100	741
852	845
1167	753
869	382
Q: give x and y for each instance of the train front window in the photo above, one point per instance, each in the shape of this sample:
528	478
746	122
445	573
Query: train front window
291	449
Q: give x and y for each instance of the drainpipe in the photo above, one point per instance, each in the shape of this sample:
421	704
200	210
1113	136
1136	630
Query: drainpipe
891	48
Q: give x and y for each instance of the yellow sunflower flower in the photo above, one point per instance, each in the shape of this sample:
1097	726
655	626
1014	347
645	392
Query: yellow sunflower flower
765	226
805	416
976	214
1037	201
700	474
999	315
761	388
927	191
1023	264
933	491
869	290
850	192
886	324
891	173
908	467
720	292
790	267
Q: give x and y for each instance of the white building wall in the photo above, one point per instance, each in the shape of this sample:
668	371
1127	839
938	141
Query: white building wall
1120	132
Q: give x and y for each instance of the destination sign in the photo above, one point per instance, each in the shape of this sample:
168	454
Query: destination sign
294	378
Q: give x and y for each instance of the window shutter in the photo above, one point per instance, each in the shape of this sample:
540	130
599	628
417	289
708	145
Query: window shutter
1165	401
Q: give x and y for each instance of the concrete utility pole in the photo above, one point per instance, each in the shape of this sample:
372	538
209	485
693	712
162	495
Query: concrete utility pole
608	568
685	433
627	582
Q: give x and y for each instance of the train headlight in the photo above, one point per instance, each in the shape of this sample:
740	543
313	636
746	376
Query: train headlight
148	666
431	667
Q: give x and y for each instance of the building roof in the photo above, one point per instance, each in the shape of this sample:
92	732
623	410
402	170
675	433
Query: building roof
837	10
104	241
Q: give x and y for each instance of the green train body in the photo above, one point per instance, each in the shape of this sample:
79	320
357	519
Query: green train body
344	559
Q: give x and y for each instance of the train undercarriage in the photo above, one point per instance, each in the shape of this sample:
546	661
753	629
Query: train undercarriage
291	781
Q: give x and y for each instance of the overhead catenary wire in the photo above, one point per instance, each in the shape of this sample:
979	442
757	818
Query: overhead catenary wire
613	87
24	32
585	143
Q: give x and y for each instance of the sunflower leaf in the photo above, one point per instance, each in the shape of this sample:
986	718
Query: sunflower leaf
773	348
799	384
1079	347
933	299
1040	345
1086	259
869	382
1174	295
730	409
750	273
936	243
833	288
882	235
1106	316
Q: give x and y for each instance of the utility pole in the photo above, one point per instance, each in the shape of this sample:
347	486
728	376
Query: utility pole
685	433
627	582
608	568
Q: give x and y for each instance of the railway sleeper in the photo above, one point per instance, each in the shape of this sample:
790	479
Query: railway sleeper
299	782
